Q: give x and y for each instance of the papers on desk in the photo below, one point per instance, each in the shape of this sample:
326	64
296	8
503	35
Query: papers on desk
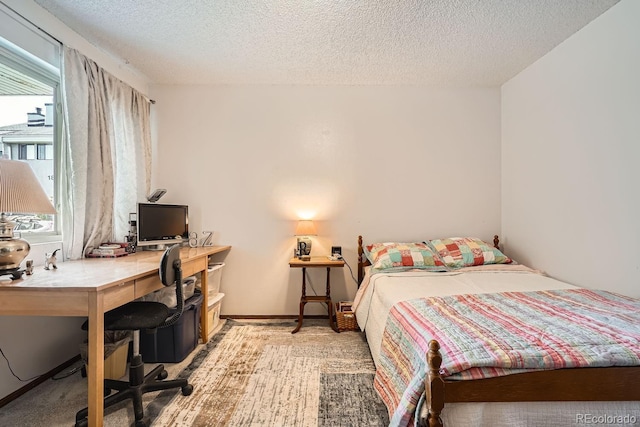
109	250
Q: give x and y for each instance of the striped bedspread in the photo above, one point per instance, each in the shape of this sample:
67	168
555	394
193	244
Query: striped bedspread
488	335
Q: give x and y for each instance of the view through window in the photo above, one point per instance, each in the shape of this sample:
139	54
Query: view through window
27	133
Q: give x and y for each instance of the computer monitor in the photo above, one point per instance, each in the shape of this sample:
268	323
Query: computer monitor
160	225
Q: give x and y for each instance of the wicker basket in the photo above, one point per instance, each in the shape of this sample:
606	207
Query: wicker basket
346	320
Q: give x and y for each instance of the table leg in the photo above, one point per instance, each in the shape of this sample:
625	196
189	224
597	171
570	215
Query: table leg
95	368
204	311
303	300
300	316
332	322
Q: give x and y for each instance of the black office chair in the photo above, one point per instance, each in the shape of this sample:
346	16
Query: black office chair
135	316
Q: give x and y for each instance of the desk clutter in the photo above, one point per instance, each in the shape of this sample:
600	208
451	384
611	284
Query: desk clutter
112	250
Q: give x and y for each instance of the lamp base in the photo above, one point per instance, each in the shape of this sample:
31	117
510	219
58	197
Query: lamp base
304	245
12	250
15	273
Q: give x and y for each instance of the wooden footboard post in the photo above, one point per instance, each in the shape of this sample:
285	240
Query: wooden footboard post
434	386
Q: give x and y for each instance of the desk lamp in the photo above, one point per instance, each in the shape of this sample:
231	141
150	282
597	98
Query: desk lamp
156	195
305	229
20	192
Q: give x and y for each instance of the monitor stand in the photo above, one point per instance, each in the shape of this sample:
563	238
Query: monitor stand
159	245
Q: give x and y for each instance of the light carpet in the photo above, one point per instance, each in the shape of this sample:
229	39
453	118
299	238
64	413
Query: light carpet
248	374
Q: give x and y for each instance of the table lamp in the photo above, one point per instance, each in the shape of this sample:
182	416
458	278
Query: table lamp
305	229
20	192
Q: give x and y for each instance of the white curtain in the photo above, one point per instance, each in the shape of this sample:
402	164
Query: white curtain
106	154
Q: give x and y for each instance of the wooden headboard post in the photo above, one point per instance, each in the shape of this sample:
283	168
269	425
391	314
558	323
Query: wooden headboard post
496	242
361	261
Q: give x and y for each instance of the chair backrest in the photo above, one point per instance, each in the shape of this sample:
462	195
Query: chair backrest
170	274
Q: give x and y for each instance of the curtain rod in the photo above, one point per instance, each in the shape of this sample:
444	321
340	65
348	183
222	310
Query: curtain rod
45	32
48	34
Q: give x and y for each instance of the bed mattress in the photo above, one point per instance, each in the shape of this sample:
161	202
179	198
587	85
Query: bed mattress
380	292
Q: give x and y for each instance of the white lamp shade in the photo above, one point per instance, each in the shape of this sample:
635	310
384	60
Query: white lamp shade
20	190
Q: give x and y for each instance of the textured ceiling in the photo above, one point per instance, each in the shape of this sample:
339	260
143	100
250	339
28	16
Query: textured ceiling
418	42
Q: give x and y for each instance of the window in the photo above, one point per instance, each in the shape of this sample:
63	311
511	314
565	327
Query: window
28	127
44	151
25	151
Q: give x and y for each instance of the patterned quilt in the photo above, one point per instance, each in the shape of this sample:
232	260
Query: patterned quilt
488	335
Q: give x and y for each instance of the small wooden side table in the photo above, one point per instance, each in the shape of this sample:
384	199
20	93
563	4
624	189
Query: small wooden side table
315	262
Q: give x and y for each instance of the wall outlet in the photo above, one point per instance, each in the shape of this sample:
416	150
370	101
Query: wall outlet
336	250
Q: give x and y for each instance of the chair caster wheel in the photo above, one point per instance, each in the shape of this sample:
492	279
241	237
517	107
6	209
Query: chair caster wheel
187	390
83	371
82	423
162	375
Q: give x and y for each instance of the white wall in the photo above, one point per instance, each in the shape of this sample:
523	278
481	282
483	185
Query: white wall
389	163
570	152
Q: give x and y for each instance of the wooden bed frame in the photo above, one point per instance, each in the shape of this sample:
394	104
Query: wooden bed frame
560	385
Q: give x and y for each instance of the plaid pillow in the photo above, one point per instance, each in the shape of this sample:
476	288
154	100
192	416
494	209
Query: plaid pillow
457	252
386	256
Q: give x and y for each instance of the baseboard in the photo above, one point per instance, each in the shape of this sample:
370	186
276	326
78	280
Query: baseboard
42	378
270	316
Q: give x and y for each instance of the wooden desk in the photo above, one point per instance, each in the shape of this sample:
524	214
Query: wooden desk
91	286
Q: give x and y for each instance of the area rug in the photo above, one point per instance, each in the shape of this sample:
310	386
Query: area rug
259	374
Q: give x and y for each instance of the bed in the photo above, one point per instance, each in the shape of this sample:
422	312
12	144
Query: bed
424	376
